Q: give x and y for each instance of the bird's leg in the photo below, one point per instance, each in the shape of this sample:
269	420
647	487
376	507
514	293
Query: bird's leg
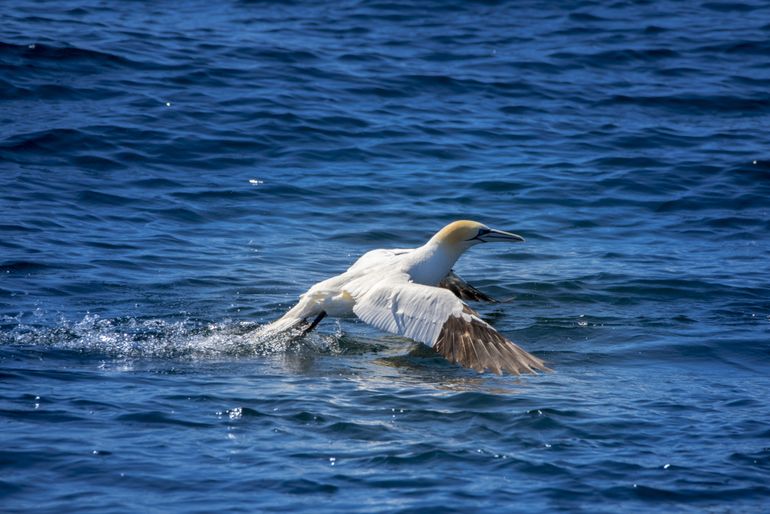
315	323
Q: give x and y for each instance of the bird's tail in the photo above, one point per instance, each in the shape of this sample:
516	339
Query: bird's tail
292	320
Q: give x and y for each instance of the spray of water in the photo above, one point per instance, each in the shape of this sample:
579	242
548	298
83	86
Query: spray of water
156	338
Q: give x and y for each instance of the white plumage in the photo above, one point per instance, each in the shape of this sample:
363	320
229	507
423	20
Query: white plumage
413	293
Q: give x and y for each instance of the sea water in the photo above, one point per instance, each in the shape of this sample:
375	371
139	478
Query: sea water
174	174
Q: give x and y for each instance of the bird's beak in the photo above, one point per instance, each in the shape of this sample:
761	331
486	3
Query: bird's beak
502	236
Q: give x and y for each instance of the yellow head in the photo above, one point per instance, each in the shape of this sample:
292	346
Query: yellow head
468	233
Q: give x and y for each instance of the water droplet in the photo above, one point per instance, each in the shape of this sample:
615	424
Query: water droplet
168	104
332	460
666	466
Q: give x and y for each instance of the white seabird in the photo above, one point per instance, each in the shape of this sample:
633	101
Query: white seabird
414	293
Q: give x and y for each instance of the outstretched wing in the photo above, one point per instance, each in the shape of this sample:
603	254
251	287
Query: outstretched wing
463	290
472	342
436	317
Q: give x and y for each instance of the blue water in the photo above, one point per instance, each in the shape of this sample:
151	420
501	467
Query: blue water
173	175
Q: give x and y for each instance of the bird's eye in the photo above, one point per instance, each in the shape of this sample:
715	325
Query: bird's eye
481	232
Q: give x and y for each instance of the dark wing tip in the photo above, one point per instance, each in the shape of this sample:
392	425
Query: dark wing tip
475	344
463	290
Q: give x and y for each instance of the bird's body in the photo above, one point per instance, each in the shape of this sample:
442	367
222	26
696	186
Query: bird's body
397	291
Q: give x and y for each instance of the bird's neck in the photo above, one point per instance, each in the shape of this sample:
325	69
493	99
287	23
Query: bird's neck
430	263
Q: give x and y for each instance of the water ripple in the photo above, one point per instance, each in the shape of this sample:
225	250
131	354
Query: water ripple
173	177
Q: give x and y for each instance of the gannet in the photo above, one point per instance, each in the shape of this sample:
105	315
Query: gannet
414	293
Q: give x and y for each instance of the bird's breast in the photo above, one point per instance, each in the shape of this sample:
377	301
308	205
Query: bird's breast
430	269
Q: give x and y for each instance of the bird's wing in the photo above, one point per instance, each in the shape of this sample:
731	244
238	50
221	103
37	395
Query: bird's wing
463	290
377	258
436	317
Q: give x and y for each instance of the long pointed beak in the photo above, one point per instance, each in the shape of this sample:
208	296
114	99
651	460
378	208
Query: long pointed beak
502	236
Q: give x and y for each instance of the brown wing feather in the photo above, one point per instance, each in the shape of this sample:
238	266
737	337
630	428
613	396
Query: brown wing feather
475	344
463	290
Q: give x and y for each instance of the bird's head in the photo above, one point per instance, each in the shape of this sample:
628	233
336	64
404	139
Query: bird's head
464	234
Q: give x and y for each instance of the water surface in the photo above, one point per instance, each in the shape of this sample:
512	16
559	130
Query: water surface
173	176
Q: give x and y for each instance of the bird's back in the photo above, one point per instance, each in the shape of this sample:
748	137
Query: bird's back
379	257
